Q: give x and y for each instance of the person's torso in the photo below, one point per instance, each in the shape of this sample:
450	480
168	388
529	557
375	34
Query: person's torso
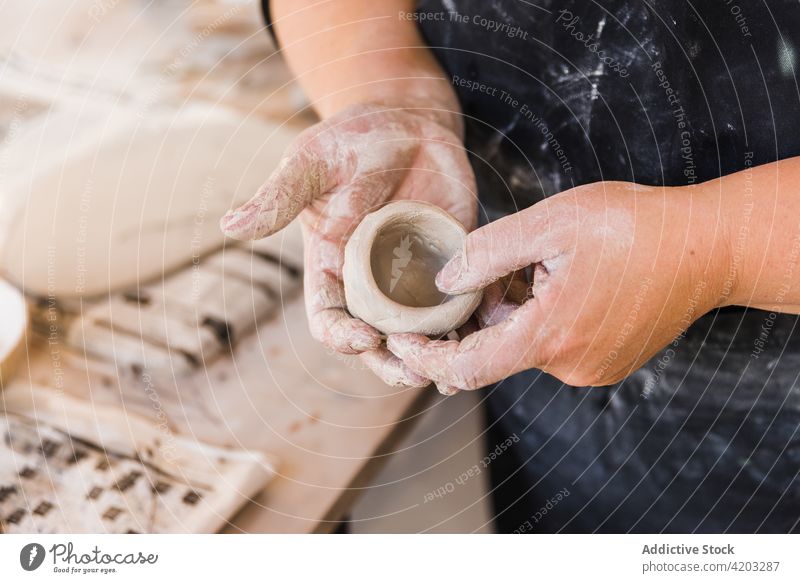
559	94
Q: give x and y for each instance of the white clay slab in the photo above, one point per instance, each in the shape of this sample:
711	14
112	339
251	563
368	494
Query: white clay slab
131	199
68	466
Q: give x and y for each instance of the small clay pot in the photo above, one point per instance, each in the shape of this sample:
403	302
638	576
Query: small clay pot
14	315
390	263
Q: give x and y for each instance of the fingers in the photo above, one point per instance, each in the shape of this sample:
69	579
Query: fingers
359	170
482	358
391	369
500	300
497	249
328	319
335	328
395	373
302	175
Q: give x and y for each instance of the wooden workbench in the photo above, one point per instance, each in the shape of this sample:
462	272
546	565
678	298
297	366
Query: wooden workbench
329	424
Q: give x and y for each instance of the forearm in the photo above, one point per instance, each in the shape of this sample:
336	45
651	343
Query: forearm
346	52
761	213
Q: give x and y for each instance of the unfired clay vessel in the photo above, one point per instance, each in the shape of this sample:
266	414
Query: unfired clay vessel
13	332
390	264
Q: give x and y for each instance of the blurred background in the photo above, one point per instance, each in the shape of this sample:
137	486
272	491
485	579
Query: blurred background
156	377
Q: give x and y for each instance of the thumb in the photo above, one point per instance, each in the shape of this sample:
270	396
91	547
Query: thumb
493	251
301	176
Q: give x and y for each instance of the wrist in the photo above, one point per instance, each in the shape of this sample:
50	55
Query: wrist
713	266
429	97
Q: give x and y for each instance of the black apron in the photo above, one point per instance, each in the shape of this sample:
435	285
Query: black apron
706	436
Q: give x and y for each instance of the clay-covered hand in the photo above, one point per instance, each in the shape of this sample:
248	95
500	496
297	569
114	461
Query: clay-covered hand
334	174
618	271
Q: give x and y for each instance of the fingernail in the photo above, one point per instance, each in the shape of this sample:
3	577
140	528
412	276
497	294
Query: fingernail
448	278
257	217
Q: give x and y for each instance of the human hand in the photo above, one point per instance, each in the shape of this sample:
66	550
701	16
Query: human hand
334	174
618	271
